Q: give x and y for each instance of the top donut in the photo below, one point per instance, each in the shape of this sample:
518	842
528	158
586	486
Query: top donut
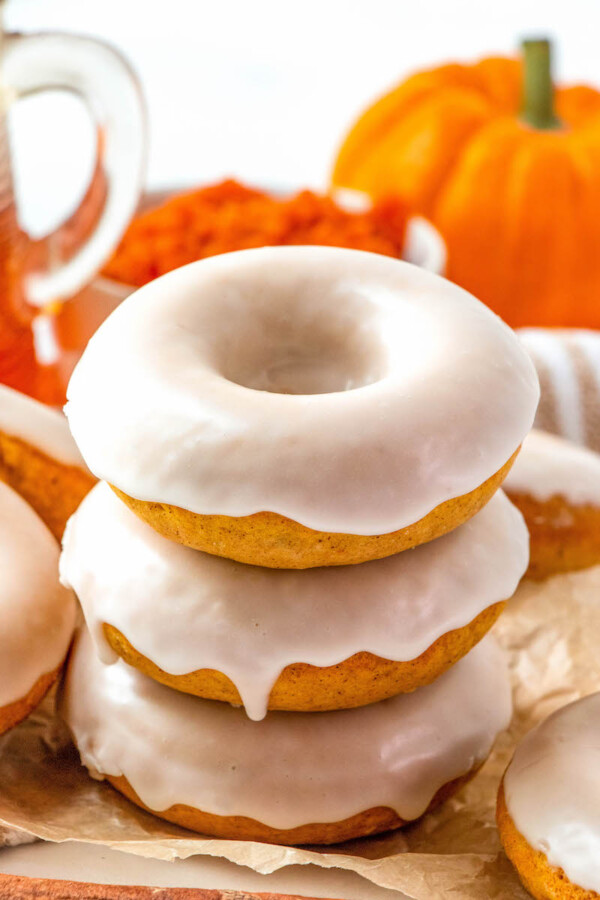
302	406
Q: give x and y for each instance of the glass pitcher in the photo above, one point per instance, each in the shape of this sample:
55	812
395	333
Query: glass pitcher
36	277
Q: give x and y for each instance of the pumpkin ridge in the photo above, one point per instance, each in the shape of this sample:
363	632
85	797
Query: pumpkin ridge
501	78
463	114
375	121
457	150
387	109
487	162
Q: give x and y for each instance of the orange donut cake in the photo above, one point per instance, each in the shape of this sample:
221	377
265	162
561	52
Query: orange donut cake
556	485
294	407
294	777
549	805
328	638
39	459
37	615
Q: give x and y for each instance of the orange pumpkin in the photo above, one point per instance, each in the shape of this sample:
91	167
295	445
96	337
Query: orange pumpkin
507	169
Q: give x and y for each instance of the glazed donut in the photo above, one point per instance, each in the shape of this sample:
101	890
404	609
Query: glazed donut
328	638
549	805
294	407
556	485
37	614
568	365
294	777
39	459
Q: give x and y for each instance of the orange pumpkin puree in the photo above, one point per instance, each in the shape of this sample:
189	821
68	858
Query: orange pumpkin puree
229	216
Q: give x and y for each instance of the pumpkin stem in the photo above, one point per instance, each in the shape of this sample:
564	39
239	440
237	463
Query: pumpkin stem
537	102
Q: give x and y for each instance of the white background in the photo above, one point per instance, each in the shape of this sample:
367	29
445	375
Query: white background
264	89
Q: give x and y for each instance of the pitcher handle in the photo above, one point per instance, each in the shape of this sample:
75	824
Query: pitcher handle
108	86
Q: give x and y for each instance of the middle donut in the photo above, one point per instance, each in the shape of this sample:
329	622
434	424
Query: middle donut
321	639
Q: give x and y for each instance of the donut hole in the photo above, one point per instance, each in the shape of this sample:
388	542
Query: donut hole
311	350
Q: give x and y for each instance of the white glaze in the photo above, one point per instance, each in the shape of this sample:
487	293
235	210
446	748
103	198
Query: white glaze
187	610
568	364
37	614
552	790
429	393
549	466
291	768
41	426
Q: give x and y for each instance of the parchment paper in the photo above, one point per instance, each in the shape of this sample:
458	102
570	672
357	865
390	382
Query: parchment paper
550	632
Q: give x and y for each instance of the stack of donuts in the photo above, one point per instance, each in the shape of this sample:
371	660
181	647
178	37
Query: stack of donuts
297	545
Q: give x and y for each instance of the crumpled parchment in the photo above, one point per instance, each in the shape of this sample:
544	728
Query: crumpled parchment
550	632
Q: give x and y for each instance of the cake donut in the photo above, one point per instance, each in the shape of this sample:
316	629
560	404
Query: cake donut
37	614
294	777
39	458
556	485
549	805
327	638
295	407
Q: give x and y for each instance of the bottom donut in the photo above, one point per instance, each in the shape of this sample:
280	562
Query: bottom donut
292	778
240	828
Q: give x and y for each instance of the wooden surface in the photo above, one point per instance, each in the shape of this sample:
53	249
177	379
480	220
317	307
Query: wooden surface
14	887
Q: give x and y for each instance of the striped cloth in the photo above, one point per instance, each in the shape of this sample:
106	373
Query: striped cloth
568	365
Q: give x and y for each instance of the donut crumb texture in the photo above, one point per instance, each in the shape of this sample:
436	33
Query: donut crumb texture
53	489
371	821
276	542
563	537
357	681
